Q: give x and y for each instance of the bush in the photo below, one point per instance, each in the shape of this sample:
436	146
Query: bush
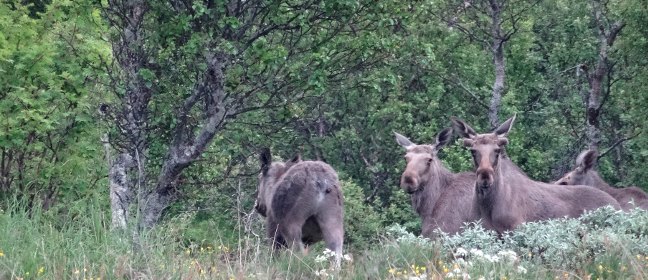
362	222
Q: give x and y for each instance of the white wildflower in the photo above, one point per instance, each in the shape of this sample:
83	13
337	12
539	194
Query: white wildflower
321	273
493	259
508	254
461	252
521	270
476	252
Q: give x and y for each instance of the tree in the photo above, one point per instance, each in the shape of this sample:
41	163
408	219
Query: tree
491	24
185	70
45	54
607	30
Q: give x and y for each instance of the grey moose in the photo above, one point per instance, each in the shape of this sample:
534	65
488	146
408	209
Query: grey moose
505	197
439	196
302	202
584	174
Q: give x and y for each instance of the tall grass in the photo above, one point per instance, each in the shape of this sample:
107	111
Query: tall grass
42	245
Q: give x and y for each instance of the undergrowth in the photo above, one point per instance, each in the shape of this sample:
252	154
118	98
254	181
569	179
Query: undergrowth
604	244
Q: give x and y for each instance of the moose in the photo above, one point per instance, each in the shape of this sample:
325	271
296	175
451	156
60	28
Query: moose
438	195
302	202
505	197
584	174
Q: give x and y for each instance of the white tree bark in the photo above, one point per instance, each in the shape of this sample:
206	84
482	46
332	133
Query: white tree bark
607	33
120	191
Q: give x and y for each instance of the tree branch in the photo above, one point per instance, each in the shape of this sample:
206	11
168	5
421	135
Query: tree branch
617	143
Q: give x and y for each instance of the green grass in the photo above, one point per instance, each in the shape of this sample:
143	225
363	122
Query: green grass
51	246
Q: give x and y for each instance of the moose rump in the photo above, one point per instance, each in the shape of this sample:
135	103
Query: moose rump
302	202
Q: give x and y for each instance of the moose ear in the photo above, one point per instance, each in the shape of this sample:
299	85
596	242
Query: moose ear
266	160
505	127
296	158
502	141
587	159
468	142
403	141
443	138
462	128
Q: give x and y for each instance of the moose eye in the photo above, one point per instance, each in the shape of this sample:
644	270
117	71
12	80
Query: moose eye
429	161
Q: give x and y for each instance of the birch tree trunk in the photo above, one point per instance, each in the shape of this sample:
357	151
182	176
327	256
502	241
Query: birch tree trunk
607	33
498	63
120	191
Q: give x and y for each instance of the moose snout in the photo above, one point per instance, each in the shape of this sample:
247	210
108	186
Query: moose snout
409	183
485	177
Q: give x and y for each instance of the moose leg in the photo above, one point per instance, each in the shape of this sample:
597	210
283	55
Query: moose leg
333	234
274	236
292	234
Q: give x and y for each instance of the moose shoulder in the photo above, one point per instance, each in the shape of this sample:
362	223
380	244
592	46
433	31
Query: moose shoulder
302	202
585	174
439	196
506	197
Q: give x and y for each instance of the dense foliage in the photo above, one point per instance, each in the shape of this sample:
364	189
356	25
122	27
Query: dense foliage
331	80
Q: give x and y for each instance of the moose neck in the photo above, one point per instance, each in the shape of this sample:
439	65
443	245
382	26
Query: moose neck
438	178
594	179
499	191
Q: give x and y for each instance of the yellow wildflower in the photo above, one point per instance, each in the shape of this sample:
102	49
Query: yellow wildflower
41	270
1	253
391	270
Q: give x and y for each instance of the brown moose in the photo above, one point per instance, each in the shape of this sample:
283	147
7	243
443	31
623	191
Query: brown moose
302	202
505	197
439	196
584	174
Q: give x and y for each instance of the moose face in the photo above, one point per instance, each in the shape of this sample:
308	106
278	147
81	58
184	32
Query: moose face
422	161
581	173
485	149
270	174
